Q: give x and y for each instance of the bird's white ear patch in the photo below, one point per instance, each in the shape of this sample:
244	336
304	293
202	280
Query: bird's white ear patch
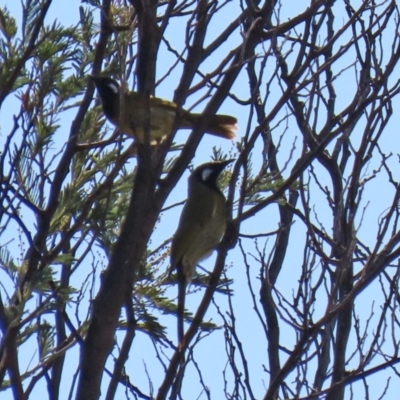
113	87
206	173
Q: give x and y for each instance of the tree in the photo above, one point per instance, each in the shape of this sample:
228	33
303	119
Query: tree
312	239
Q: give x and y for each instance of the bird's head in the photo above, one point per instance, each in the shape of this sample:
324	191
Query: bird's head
208	173
107	87
109	92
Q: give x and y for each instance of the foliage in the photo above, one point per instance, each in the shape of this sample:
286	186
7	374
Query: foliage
302	298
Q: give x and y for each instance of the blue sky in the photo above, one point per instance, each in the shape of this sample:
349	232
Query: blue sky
249	327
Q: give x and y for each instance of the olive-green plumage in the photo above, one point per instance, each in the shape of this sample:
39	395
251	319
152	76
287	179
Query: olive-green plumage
201	226
131	117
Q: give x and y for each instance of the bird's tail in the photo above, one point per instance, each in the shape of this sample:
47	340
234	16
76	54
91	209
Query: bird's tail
218	125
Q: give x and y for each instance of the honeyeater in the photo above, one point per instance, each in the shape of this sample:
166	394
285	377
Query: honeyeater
201	226
131	117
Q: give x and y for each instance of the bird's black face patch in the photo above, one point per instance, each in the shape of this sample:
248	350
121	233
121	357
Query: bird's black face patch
108	88
208	175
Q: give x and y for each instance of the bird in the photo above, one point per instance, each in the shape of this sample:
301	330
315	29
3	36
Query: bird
131	117
201	226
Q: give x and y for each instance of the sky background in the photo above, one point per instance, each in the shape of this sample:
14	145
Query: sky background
249	328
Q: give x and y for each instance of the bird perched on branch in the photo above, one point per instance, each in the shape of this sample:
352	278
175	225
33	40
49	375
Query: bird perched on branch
201	226
131	117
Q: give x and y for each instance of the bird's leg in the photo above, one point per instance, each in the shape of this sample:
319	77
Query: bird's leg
181	305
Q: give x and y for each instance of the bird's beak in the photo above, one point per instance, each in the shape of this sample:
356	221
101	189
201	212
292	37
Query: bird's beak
226	162
221	165
94	79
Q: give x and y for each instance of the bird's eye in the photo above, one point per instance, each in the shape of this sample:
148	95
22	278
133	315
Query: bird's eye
113	87
205	174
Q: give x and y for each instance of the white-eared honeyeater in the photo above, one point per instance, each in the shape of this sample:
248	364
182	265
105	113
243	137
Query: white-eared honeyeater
131	117
201	226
